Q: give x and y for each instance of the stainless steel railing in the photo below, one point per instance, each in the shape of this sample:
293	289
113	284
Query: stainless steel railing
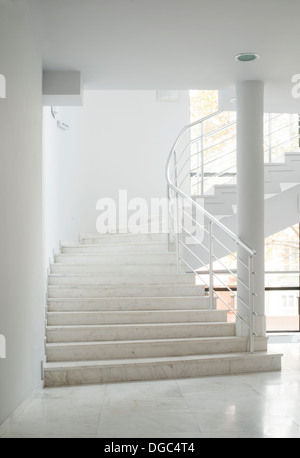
204	154
197	235
211	151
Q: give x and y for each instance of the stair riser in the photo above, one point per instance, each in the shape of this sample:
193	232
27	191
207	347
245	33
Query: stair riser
124	291
115	279
153	349
121	332
117	248
155	303
113	269
119	259
123	238
65	319
159	371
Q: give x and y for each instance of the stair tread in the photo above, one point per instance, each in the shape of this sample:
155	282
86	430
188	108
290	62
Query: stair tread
139	325
133	285
127	312
145	341
123	297
126	243
132	253
120	275
160	359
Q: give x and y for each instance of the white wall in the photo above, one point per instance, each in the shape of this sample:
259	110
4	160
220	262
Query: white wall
21	275
119	140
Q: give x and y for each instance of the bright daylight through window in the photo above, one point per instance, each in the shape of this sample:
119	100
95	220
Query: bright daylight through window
213	162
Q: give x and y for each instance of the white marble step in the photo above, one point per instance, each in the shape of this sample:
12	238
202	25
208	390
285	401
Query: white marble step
115	279
94	351
137	317
89	372
107	248
129	303
95	238
137	331
117	259
125	269
94	291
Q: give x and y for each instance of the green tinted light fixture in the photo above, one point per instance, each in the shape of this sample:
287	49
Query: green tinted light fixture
246	57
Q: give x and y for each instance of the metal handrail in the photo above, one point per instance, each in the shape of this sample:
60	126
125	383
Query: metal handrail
199	168
210	217
210	226
212	229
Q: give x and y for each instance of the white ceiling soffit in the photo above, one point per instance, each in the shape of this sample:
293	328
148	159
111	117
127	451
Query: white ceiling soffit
171	44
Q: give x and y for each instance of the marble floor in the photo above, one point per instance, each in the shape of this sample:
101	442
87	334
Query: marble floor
264	405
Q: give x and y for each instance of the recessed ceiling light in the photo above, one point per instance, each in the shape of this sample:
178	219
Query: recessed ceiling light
246	57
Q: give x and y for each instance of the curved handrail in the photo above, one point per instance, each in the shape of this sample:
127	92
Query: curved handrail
190	200
211	224
180	165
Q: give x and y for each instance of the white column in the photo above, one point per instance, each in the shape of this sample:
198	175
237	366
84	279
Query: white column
250	194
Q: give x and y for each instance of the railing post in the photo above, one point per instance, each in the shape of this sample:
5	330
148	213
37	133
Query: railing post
251	305
270	137
176	228
169	217
211	271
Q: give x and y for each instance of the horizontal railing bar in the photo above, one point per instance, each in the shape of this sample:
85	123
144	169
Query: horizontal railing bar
195	123
219	129
272	119
267	272
270	134
229	289
233	274
194	220
192	270
228	270
191	235
216	158
231	252
212	174
217	175
200	165
233	311
220	174
267	288
211	133
286	141
192	253
226	248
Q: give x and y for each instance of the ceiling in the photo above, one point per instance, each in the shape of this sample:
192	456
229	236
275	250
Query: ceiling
172	44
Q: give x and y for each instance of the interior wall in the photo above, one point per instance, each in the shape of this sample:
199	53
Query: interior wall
119	140
21	262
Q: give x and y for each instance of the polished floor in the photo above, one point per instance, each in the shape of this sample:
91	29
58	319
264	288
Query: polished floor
264	405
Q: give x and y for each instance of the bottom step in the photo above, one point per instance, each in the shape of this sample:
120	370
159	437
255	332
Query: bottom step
96	372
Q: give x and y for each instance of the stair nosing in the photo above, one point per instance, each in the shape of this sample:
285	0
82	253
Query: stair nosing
139	325
145	341
141	361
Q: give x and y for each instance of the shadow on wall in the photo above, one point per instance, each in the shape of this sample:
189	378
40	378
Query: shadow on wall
2	347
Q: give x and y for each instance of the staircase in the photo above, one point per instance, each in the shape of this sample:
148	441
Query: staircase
282	190
125	307
118	311
281	179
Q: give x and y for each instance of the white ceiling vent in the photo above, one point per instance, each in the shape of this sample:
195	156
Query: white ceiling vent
167	96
